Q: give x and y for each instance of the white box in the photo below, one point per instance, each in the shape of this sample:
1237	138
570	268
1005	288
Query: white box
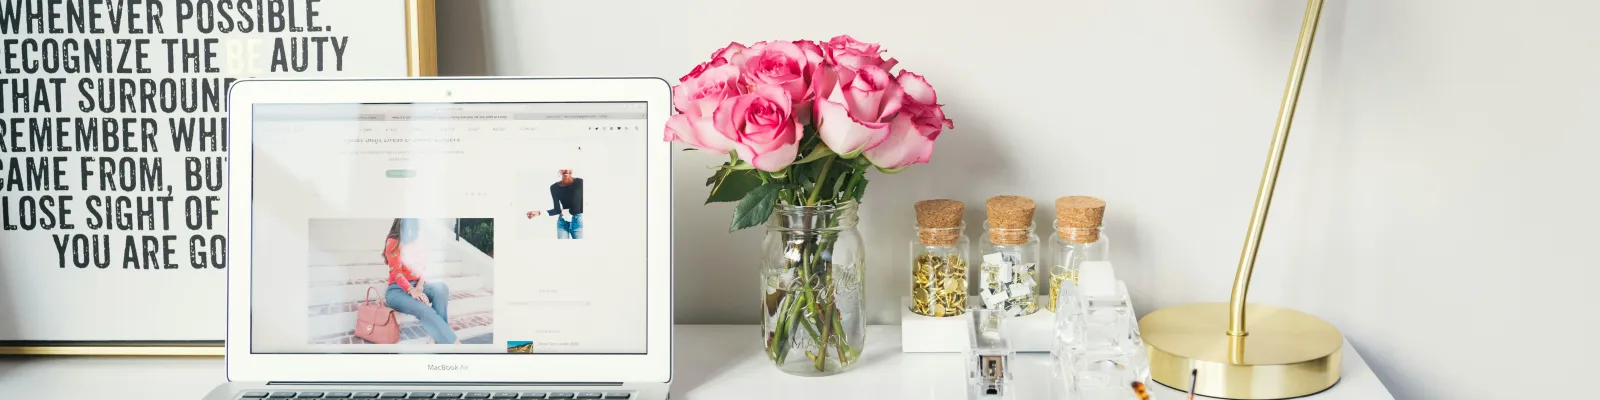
924	334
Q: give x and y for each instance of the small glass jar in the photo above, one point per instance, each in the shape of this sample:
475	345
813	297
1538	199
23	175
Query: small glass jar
1008	278
1069	248
939	271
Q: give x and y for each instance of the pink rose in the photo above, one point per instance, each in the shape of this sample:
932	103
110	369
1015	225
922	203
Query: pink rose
707	88
923	103
781	64
904	145
912	132
813	52
849	46
700	69
846	51
791	65
916	88
761	127
814	63
697	99
855	108
736	53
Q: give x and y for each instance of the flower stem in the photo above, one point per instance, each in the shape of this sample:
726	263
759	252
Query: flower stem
803	322
821	315
822	345
849	185
822	176
838	326
782	325
807	302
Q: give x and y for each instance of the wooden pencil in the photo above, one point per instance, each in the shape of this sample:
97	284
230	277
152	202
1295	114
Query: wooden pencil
1193	375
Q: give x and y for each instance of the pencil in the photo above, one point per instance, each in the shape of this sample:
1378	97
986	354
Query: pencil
1194	374
1139	390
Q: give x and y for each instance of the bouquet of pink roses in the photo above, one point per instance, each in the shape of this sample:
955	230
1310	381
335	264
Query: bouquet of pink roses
801	123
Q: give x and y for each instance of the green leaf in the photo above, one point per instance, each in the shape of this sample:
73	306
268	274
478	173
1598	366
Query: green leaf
717	176
816	154
741	165
809	137
690	149
756	207
805	180
735	185
860	189
838	183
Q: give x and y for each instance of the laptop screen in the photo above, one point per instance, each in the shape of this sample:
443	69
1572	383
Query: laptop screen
482	228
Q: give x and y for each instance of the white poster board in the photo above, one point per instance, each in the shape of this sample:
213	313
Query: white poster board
113	140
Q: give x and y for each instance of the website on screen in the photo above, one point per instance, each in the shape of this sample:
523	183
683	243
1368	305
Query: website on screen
510	228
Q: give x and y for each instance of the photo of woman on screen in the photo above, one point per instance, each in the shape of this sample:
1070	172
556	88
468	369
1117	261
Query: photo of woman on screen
408	293
566	196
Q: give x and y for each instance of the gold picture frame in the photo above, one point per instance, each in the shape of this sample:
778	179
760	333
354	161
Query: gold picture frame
422	57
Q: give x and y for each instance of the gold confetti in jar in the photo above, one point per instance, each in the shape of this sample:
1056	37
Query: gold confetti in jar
938	259
1079	237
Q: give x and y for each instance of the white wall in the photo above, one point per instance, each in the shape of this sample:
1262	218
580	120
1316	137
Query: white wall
1437	203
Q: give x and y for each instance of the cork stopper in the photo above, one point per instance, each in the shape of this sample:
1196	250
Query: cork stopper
939	221
1009	219
1078	218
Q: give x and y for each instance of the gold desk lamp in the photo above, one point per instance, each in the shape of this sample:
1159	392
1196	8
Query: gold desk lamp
1249	351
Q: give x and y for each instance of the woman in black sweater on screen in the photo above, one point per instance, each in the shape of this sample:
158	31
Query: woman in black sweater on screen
567	197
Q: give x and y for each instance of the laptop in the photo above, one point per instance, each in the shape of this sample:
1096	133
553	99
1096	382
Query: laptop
478	238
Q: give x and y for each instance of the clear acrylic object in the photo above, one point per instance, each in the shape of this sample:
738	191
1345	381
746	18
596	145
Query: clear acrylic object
988	356
1097	353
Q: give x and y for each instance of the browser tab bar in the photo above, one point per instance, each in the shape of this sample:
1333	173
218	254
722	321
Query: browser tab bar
453	112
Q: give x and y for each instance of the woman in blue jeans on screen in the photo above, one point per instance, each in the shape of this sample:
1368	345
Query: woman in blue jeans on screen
408	293
567	196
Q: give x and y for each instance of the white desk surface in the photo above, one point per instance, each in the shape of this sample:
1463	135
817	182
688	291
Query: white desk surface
711	362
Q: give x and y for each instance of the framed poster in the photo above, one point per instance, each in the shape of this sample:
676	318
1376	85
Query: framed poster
113	149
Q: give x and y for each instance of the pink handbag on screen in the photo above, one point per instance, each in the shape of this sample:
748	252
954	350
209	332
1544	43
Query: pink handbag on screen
375	322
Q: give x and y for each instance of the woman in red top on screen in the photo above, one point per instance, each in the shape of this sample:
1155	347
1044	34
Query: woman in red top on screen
408	293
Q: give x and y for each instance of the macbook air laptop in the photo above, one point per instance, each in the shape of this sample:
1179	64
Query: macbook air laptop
491	238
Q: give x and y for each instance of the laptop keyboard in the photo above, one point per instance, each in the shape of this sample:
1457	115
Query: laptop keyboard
436	395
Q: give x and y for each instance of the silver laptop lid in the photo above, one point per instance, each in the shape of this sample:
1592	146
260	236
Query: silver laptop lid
476	231
449	228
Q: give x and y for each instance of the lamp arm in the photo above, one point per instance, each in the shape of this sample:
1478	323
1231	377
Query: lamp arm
1269	178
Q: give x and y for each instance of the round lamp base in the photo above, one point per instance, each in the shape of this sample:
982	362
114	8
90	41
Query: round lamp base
1286	354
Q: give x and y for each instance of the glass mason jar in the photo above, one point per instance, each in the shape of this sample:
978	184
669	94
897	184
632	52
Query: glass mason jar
939	271
812	277
1008	278
1070	247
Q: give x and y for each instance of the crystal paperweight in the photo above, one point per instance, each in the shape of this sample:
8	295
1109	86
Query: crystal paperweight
988	356
1098	353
